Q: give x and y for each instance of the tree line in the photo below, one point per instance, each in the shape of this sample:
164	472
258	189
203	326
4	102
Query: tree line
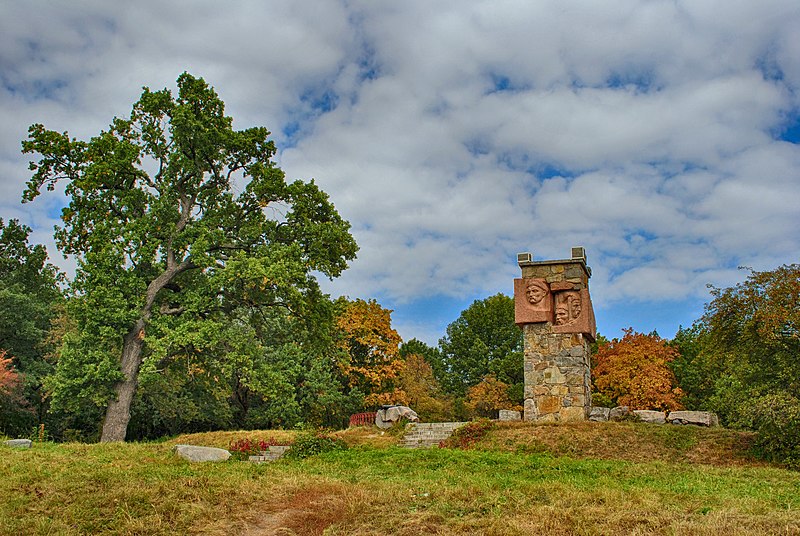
195	305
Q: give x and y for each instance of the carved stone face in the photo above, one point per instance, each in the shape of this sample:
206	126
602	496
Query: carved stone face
575	307
535	294
562	315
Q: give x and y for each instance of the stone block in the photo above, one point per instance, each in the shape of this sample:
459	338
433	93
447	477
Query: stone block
652	417
599	414
699	418
572	414
529	407
19	443
553	375
194	453
548	404
509	415
619	413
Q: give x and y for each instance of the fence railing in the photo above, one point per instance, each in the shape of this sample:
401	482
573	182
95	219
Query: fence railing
363	419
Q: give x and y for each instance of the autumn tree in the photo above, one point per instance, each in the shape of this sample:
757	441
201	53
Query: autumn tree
489	396
482	341
423	392
750	342
176	220
634	371
371	358
11	401
9	379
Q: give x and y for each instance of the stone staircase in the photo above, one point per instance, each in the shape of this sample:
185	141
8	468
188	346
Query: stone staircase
427	434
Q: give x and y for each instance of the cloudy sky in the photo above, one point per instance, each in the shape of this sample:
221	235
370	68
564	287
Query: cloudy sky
660	135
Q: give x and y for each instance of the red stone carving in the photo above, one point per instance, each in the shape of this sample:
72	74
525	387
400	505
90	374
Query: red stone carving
533	301
574	313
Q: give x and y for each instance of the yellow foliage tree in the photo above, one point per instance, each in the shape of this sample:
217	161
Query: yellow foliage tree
634	371
423	392
489	396
372	361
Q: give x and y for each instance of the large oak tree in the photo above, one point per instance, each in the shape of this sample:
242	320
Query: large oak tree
176	219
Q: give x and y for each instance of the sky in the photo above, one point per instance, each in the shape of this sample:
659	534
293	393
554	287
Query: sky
662	136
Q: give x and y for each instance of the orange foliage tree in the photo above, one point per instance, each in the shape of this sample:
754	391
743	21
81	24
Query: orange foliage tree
489	396
372	361
634	371
9	379
423	392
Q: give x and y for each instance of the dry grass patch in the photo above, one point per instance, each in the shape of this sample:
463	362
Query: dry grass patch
629	441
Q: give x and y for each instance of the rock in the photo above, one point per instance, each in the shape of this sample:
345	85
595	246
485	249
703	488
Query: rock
699	418
618	413
193	453
388	415
509	415
652	417
19	443
599	414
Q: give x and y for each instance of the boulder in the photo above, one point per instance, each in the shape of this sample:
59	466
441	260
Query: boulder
699	418
19	443
652	417
194	453
619	413
509	415
388	415
599	414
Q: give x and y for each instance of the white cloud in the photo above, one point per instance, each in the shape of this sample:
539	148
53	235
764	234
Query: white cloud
455	134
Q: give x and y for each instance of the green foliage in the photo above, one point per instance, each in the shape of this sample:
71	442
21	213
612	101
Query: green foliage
29	299
469	434
776	418
171	264
484	340
312	442
749	340
694	373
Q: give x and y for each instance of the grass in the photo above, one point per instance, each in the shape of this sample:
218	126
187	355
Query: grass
622	478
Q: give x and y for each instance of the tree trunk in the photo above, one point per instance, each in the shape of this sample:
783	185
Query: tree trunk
118	413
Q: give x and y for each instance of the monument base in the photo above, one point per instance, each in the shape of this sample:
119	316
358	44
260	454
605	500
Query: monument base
557	374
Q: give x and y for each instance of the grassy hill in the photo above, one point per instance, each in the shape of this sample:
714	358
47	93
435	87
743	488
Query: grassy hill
586	478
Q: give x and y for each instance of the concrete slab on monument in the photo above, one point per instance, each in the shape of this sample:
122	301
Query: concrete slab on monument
698	418
194	453
649	416
19	443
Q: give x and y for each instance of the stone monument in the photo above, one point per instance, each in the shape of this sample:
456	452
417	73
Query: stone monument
554	310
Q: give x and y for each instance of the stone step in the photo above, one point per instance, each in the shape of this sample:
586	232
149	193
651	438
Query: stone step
428	434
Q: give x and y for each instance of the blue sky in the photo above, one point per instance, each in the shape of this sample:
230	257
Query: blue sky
660	135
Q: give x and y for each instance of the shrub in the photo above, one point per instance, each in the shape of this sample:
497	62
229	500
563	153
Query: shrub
242	449
469	434
776	419
311	443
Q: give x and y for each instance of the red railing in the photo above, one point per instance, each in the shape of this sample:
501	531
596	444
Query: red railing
363	419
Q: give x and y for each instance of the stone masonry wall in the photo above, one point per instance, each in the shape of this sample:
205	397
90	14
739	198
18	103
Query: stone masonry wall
557	374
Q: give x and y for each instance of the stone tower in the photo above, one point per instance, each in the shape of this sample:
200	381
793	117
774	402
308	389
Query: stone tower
553	308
